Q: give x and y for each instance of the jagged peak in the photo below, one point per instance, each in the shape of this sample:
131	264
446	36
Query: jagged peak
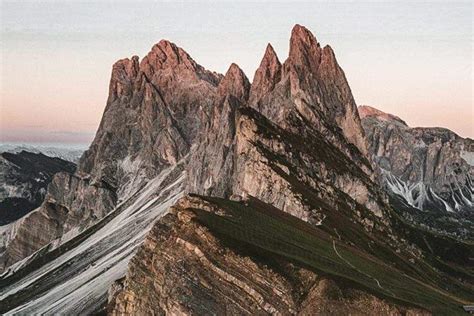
368	111
304	48
270	57
266	76
126	67
124	71
300	33
167	54
235	83
328	56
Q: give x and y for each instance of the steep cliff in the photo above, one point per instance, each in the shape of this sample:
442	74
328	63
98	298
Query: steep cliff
299	124
214	256
154	112
429	169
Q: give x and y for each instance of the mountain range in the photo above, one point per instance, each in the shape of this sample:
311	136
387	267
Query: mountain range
68	152
203	193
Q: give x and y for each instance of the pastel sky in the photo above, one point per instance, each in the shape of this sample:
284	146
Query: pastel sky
412	59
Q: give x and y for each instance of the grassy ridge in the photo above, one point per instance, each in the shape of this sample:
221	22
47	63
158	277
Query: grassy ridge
263	227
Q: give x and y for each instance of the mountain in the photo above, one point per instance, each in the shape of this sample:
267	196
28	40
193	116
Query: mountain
24	178
429	170
65	152
204	194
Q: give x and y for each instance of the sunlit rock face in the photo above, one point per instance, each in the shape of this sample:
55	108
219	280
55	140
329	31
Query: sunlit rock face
254	137
184	268
153	115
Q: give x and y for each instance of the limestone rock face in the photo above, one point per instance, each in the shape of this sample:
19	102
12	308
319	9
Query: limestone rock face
212	163
250	143
154	113
184	268
319	89
266	77
431	169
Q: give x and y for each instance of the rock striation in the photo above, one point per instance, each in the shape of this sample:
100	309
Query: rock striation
194	261
153	115
209	277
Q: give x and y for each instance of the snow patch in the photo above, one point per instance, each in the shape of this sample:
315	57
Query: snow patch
418	194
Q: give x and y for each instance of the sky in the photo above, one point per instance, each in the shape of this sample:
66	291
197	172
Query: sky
409	58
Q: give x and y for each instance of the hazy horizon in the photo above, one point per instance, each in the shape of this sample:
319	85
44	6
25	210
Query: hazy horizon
411	59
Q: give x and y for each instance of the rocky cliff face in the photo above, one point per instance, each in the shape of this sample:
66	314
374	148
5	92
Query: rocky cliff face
215	256
153	114
253	147
431	169
185	268
289	218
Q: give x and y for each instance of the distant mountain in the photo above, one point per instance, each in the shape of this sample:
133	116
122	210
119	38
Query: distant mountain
24	178
205	194
429	170
70	153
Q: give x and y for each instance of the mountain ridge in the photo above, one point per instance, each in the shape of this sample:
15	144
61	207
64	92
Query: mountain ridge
427	168
270	168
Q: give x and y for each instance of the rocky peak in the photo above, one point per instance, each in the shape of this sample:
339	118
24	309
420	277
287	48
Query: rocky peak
319	89
266	77
154	112
166	54
427	168
305	50
368	111
173	60
235	83
124	72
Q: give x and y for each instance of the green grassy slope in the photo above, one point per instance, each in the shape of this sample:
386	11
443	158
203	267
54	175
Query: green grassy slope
262	227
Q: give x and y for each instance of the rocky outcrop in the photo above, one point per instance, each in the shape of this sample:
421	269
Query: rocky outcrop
212	164
185	268
430	169
153	115
254	147
24	178
266	77
72	275
310	83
